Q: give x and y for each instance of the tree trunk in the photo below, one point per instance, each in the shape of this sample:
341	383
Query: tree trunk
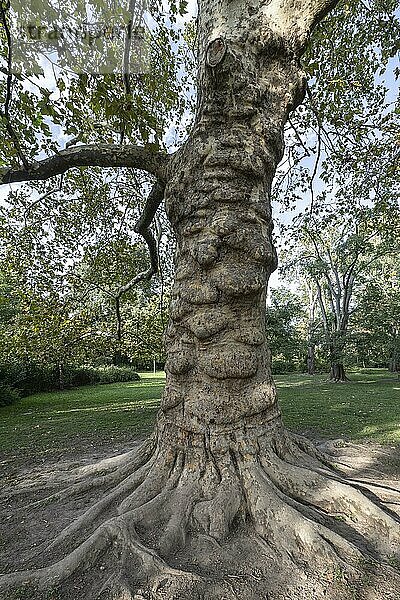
61	376
311	359
221	476
312	300
394	362
218	372
338	372
336	351
394	365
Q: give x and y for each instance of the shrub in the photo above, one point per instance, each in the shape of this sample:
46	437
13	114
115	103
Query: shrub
29	378
86	375
77	376
8	394
282	366
114	374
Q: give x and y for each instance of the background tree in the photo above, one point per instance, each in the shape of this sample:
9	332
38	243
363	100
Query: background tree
335	253
74	270
377	318
285	314
342	145
312	337
144	328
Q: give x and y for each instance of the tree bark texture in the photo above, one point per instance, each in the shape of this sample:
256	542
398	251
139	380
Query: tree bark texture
336	350
218	202
311	359
338	372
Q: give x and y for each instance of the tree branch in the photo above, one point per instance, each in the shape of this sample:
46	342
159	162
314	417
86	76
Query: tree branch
6	113
143	228
41	198
93	155
298	19
320	8
323	310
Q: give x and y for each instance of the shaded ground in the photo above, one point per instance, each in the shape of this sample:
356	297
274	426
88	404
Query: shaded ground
366	407
24	527
52	424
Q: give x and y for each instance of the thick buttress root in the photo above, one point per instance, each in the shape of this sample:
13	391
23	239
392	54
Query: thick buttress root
271	485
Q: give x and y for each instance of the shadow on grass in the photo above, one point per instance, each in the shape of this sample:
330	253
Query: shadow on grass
47	421
366	407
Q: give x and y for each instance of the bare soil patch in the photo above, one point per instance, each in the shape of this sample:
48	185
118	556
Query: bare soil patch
33	511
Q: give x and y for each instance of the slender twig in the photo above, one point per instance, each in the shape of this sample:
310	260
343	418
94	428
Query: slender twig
298	137
7	104
42	198
314	173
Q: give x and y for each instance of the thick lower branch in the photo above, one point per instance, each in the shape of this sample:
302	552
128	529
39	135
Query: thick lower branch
142	227
93	155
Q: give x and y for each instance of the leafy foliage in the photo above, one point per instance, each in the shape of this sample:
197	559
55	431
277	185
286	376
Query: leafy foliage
343	141
376	337
283	327
68	245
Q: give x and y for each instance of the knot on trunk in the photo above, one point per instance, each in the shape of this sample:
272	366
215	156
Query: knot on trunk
216	51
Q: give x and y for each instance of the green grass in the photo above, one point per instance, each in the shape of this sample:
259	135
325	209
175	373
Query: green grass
114	412
368	407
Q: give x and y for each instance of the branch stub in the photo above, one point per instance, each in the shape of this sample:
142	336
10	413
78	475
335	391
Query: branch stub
216	51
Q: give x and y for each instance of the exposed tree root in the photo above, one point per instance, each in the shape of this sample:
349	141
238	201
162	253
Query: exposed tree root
107	473
274	486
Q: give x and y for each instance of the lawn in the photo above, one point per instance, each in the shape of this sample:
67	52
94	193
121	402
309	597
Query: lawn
368	407
114	412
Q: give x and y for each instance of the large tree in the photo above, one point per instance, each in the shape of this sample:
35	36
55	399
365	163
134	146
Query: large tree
335	253
220	474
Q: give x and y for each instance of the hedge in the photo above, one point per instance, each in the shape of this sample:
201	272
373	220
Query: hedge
22	379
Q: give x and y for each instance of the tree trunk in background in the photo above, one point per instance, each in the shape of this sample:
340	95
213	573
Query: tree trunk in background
312	301
394	364
336	353
311	359
338	372
61	376
394	361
